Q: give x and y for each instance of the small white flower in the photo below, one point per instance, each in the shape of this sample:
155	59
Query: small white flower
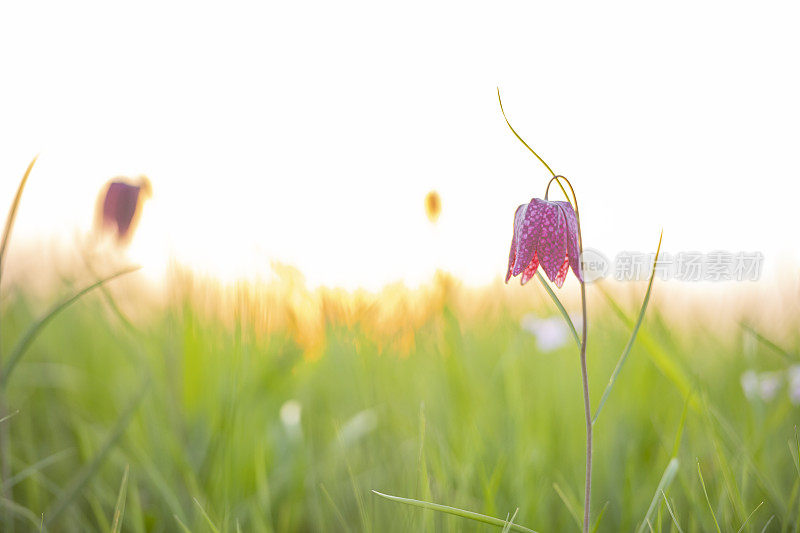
749	382
768	385
794	384
290	414
551	333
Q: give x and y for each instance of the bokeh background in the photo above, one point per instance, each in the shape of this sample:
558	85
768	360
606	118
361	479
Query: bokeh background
309	132
303	332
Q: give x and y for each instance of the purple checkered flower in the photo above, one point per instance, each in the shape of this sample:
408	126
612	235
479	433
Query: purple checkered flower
119	205
546	234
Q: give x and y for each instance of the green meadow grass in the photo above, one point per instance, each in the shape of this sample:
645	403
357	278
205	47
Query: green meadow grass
136	416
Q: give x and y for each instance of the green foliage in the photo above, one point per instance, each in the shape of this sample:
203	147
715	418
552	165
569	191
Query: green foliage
282	412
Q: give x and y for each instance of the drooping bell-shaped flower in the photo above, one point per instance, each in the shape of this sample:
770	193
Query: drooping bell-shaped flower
546	234
119	205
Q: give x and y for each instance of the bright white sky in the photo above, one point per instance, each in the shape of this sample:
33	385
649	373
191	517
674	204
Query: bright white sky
310	133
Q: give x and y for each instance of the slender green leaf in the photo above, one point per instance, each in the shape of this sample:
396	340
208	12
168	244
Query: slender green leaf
35	328
36	467
660	358
570	504
12	215
510	521
795	452
666	479
599	517
21	511
785	354
735	440
627	350
89	470
708	501
728	476
560	307
184	527
681	425
119	509
672	514
337	512
741	528
455	511
767	524
207	518
362	508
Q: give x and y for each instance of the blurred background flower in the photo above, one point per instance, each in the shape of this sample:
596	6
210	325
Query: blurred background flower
794	384
119	206
551	333
765	385
433	206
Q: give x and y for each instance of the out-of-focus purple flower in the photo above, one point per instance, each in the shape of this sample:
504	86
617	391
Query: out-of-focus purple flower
768	385
749	381
763	386
119	205
551	333
545	233
794	384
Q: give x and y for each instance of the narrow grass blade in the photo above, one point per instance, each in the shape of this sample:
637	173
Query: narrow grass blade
728	476
135	515
36	467
785	354
560	307
569	503
681	425
510	521
660	358
119	509
599	518
741	528
88	471
337	512
207	518
362	509
12	214
422	468
184	528
666	479
33	331
672	514
101	521
708	501
627	350
767	524
795	452
159	483
734	440
455	511
19	510
9	415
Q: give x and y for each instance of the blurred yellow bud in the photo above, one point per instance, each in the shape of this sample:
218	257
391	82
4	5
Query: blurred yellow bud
433	206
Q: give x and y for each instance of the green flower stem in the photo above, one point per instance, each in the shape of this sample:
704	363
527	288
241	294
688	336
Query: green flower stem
584	376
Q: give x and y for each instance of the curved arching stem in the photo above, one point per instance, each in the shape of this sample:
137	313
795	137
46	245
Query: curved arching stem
523	141
584	375
573	202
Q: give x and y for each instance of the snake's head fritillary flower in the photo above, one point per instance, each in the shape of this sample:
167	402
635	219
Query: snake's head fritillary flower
546	234
119	204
